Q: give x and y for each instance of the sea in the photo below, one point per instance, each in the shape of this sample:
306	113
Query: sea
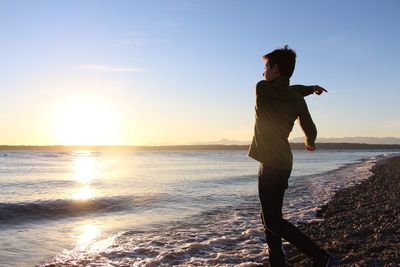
155	208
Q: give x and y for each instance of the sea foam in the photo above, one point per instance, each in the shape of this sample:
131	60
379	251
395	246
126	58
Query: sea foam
226	236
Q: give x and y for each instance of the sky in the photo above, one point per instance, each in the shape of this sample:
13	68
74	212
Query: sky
181	72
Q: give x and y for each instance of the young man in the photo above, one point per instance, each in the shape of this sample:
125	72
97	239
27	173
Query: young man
278	105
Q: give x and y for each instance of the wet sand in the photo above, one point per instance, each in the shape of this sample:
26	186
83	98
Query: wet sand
361	224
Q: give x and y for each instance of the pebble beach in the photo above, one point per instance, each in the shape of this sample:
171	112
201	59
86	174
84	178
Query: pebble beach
361	224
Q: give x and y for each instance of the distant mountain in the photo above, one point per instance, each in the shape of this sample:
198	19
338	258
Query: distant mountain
357	139
363	140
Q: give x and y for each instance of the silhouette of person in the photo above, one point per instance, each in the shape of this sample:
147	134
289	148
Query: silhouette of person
278	105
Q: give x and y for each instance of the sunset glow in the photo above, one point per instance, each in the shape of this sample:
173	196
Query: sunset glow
142	73
89	121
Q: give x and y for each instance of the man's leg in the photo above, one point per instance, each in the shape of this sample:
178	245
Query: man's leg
274	192
276	255
272	184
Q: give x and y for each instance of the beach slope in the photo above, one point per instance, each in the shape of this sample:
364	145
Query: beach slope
361	224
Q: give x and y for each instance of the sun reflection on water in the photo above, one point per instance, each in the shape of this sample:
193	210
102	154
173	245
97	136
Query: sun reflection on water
91	237
85	171
85	168
89	233
84	193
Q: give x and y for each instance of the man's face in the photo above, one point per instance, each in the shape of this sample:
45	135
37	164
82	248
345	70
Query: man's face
270	72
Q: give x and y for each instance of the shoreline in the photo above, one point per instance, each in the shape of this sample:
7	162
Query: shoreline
360	224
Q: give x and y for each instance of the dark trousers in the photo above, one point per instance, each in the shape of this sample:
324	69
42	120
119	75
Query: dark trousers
272	184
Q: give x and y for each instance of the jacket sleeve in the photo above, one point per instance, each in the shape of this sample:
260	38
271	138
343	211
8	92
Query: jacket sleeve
307	124
262	92
302	89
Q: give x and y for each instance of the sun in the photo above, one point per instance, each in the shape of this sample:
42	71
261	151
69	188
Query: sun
85	120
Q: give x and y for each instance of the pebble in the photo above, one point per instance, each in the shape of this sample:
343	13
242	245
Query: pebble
360	225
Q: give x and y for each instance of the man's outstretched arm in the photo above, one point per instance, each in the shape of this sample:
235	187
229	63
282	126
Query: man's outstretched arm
308	90
308	127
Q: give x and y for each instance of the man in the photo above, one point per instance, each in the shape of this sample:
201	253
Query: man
278	105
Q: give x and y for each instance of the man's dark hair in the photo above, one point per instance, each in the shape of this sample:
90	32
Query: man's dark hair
285	58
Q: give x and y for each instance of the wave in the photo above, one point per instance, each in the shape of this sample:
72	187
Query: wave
240	179
53	209
237	179
35	183
220	237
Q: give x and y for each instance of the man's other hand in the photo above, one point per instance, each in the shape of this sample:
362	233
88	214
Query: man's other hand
309	148
318	89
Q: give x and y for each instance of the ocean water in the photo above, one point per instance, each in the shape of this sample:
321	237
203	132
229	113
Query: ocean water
154	208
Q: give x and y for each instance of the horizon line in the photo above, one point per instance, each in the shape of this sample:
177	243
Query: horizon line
294	146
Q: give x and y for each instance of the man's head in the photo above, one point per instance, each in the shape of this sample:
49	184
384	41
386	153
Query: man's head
280	62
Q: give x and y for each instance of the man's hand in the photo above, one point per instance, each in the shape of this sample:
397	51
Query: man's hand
309	148
318	89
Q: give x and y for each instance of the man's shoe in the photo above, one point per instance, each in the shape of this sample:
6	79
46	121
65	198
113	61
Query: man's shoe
277	260
331	261
327	261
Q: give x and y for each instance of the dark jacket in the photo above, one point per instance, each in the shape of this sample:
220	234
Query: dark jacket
278	105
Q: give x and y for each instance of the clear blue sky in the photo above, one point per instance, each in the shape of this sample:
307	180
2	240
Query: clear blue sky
173	72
